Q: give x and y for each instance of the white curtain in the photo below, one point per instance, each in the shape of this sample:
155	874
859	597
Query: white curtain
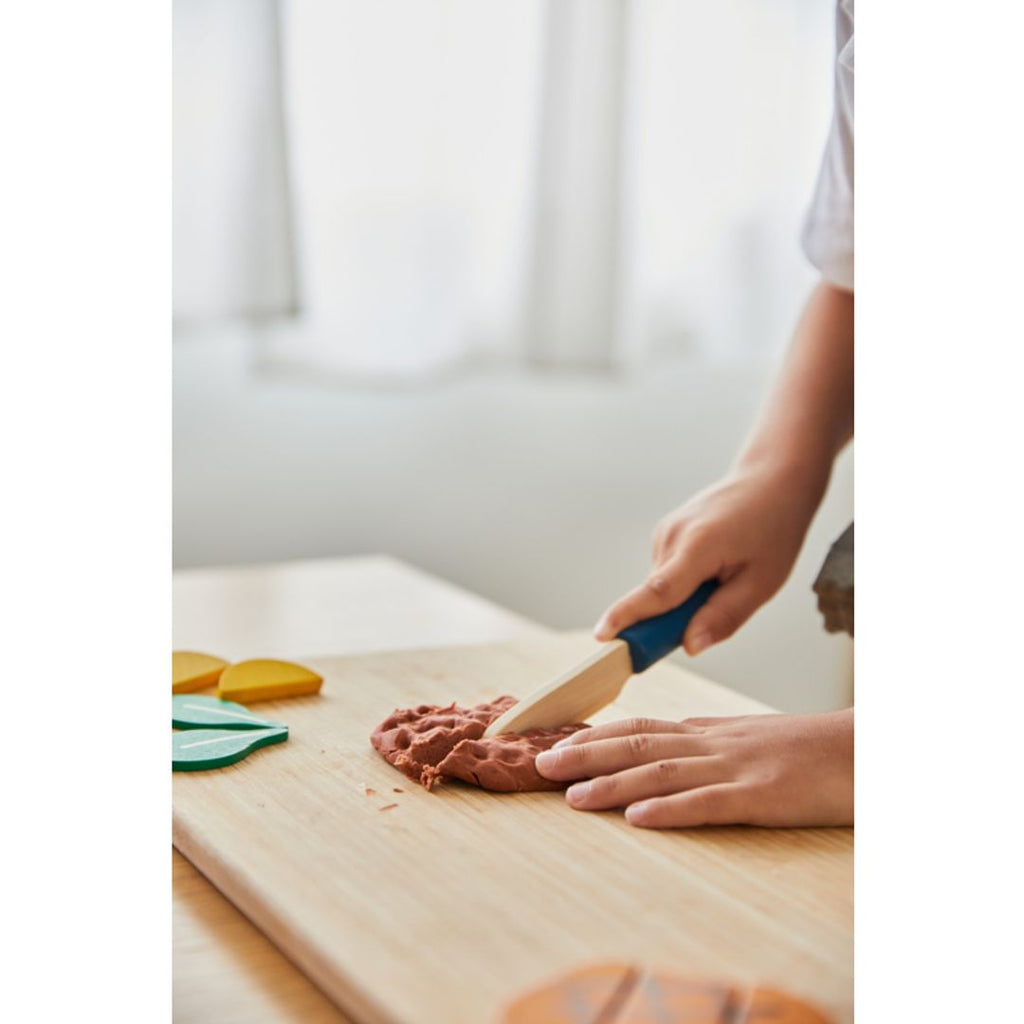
417	184
231	218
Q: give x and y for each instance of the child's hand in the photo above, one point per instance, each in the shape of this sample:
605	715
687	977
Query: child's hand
746	532
783	770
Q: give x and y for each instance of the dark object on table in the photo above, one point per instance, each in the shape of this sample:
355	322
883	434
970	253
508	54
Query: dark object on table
834	585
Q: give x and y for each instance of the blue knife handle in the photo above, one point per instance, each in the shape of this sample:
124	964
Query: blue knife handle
652	639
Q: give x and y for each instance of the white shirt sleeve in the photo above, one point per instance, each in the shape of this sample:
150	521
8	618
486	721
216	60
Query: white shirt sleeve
827	235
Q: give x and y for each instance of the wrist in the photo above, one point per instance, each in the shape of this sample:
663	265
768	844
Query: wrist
802	478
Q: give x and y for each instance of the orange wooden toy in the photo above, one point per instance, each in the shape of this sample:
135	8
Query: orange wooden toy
625	994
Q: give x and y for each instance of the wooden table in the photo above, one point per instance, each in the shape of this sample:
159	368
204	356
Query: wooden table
224	969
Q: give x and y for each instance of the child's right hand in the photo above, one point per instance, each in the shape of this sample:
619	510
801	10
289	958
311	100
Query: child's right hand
745	531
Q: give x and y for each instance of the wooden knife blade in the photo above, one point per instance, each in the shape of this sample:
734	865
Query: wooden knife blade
596	682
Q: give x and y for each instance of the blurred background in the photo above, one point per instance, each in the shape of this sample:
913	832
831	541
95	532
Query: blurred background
490	286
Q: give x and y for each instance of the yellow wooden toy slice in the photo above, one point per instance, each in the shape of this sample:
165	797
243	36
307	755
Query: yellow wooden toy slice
192	671
265	679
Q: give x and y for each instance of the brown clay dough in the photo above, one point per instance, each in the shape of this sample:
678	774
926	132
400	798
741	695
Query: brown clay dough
429	743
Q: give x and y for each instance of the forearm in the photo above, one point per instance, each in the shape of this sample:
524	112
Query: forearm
746	530
808	417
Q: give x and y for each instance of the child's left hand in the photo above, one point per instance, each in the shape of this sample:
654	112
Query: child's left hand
782	770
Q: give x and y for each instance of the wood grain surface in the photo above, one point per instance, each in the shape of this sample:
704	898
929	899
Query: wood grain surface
444	907
330	606
225	970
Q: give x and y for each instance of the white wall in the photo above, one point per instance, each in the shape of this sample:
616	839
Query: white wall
538	491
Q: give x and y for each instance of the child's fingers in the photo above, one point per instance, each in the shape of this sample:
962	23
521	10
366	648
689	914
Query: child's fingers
663	543
625	727
659	778
726	610
602	757
657	546
664	589
699	724
721	804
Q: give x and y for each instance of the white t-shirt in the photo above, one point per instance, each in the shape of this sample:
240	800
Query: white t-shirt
828	229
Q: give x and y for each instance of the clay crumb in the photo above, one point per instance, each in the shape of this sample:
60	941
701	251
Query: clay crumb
397	789
389	807
370	792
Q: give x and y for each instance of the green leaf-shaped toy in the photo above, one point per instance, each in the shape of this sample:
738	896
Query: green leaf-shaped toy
197	749
190	711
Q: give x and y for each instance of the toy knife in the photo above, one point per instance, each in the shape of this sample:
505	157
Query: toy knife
596	682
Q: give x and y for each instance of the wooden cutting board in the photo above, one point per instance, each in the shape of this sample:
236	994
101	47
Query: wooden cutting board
442	908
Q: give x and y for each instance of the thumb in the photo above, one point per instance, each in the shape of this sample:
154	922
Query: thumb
726	610
664	589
